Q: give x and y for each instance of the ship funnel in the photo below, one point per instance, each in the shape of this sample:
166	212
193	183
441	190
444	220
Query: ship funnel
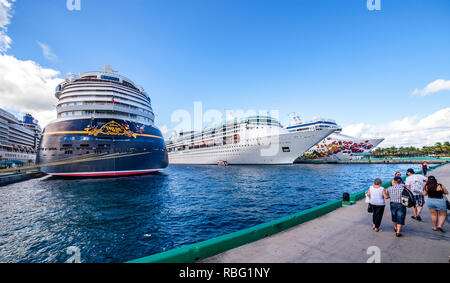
295	117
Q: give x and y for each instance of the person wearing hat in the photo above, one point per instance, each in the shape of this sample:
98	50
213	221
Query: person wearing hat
416	183
398	211
398	174
436	203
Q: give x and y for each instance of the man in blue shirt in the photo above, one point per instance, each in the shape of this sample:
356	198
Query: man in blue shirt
398	174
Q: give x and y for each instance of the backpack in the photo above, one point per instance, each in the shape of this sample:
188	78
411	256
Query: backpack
408	199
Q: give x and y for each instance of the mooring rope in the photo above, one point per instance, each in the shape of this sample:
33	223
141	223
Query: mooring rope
78	159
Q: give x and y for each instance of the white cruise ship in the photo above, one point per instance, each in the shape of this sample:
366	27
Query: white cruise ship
336	146
19	140
253	140
341	147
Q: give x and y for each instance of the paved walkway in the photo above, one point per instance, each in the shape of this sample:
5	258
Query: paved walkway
345	236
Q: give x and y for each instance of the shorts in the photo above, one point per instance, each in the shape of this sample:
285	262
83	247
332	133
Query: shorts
438	204
398	212
420	200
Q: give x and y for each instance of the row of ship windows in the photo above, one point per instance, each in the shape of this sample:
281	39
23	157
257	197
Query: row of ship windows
95	80
109	92
11	156
112	113
181	148
216	142
107	100
103	103
220	132
107	96
18	150
313	128
284	149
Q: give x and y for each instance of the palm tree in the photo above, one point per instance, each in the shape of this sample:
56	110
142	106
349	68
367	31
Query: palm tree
438	147
446	147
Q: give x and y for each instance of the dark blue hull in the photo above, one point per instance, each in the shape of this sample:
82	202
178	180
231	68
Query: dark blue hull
101	147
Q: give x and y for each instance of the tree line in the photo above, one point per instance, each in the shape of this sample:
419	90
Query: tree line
439	149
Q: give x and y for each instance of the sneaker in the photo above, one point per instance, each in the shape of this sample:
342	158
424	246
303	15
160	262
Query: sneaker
413	217
418	218
398	235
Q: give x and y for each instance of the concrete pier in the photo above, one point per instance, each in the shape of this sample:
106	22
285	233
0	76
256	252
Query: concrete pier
346	234
8	179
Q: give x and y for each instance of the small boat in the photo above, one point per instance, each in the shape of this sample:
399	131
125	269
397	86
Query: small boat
222	163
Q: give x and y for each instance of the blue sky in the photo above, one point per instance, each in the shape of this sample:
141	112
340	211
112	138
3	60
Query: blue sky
320	58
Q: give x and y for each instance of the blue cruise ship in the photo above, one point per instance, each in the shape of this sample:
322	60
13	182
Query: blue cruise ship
105	127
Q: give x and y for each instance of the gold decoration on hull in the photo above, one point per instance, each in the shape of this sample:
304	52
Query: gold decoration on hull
111	129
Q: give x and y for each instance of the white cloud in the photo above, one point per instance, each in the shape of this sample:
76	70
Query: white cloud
47	51
5	12
27	87
409	131
436	86
5	42
5	16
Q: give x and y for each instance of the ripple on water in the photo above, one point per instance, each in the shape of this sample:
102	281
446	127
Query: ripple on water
115	220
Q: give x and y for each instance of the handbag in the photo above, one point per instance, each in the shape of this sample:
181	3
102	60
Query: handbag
370	208
447	202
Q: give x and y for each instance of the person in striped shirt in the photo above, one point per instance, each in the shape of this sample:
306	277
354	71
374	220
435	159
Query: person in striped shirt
398	211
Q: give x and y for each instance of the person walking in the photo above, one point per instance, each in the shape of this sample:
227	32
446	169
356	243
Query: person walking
436	203
398	211
416	183
425	168
375	193
398	174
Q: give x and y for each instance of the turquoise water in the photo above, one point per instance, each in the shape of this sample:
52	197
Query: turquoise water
120	219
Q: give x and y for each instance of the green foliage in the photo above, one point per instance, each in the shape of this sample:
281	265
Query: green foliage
439	149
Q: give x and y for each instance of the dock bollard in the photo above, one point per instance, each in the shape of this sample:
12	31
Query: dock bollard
346	197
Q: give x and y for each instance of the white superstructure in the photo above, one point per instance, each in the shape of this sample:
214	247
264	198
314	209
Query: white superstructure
103	95
19	140
253	140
